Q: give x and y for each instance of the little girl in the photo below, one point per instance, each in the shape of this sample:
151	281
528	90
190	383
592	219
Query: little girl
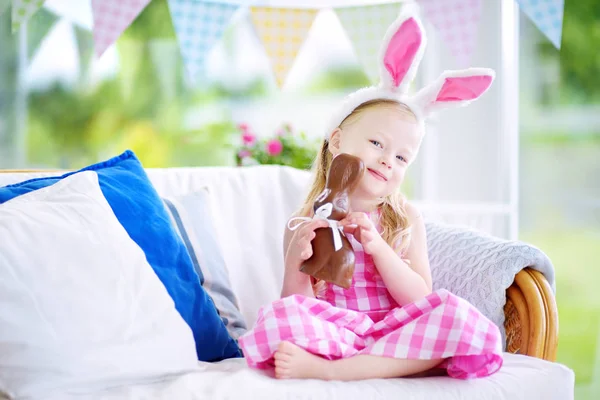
389	323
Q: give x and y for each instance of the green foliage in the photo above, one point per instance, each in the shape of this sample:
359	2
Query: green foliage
579	58
69	128
73	126
67	115
336	79
561	138
256	88
8	88
212	144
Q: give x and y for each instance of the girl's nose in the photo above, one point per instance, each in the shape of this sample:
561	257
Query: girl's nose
384	161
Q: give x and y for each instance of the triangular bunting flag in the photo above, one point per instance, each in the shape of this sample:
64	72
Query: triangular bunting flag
85	49
547	15
457	22
366	26
111	18
22	10
41	23
4	5
198	25
282	32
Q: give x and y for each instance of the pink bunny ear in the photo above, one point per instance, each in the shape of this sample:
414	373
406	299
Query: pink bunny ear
402	51
454	89
462	88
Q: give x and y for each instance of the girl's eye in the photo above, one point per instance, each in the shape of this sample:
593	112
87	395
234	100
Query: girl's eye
376	143
401	158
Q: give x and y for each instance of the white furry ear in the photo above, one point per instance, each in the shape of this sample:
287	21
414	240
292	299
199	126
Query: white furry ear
401	52
453	89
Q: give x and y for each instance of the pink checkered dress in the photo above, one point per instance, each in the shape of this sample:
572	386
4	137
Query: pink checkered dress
365	319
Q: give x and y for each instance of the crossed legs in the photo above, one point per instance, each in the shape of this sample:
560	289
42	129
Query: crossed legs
294	362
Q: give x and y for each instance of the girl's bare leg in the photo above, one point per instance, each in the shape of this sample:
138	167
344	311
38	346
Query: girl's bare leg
294	362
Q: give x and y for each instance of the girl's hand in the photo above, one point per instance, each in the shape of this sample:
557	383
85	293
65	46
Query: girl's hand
363	229
300	247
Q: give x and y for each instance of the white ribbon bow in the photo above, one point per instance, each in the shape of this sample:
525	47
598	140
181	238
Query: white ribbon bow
322	212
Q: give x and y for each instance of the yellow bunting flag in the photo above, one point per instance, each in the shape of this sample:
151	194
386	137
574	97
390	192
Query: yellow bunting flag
282	32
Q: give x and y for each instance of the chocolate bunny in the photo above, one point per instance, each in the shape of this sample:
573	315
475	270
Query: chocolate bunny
333	256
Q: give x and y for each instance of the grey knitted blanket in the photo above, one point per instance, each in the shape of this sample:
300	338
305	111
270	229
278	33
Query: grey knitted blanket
479	268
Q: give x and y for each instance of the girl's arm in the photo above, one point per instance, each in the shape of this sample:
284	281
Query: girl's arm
406	283
297	248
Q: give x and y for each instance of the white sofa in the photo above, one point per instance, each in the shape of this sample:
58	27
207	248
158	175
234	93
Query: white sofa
250	207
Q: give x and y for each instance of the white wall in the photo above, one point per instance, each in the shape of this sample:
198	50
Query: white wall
473	155
468	166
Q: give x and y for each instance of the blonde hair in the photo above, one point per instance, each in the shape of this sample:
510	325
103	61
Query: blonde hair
394	222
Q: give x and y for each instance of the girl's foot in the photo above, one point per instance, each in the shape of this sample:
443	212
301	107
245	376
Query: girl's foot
293	362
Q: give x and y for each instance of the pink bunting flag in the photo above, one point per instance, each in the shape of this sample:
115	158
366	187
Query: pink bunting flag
111	18
456	21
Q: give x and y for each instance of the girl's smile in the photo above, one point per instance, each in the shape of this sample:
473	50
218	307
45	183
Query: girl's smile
378	175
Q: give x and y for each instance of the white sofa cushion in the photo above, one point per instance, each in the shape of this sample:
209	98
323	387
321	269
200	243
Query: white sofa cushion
79	303
191	216
520	378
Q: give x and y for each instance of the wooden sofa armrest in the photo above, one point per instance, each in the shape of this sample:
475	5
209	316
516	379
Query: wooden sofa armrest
531	316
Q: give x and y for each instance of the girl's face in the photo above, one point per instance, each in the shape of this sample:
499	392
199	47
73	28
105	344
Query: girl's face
387	140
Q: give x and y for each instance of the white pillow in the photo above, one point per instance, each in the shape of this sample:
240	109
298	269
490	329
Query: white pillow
80	307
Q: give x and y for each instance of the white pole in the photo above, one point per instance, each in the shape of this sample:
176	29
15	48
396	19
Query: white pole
510	109
20	144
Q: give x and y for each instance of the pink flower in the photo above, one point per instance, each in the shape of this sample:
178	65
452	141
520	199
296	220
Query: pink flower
243	127
248	138
274	147
244	153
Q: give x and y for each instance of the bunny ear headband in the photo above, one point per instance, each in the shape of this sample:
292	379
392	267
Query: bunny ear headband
401	52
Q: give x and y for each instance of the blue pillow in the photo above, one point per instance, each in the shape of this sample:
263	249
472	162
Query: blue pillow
140	210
